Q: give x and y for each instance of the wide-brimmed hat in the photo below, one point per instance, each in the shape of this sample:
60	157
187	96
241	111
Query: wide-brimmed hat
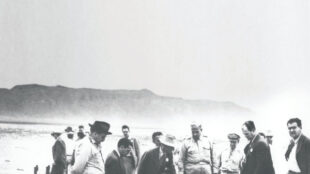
168	140
101	127
56	133
69	130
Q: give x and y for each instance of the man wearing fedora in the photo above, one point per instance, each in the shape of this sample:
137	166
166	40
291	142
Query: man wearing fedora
59	154
88	156
230	159
298	151
160	159
197	155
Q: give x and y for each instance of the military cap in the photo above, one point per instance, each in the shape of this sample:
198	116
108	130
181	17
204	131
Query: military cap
195	126
233	136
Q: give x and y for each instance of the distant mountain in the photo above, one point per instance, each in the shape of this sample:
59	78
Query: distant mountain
43	101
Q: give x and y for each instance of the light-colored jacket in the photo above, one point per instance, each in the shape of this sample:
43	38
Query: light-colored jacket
88	158
193	156
230	161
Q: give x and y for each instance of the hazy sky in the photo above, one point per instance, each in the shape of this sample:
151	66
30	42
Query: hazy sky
248	52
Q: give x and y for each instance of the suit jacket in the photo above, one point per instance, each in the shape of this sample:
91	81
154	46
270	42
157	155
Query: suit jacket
136	148
59	156
151	164
302	154
257	157
113	164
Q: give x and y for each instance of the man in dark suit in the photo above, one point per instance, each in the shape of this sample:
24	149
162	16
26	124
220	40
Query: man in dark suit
257	152
298	152
160	159
59	155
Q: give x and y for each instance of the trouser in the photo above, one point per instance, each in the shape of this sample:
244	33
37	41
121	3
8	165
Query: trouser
291	172
228	172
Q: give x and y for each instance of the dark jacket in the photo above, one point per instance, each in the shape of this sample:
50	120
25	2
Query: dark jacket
113	164
59	156
136	148
258	158
151	164
302	154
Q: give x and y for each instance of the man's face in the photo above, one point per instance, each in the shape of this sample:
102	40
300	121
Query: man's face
294	130
233	144
126	132
156	140
196	133
99	137
248	134
166	149
123	151
70	135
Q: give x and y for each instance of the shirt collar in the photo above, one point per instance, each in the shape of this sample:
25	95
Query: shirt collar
160	152
253	138
296	141
91	139
118	153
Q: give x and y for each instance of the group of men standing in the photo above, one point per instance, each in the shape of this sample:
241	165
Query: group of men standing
196	155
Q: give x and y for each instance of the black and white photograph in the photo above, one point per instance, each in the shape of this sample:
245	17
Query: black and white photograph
154	87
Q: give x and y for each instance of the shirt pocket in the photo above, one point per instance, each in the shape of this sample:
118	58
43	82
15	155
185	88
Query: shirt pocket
205	150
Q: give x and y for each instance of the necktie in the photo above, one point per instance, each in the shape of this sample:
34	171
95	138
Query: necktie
289	149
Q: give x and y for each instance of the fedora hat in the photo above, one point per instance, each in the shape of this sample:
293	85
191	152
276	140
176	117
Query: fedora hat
69	129
101	127
57	134
168	140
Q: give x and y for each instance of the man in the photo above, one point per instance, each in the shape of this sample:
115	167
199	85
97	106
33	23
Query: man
160	159
88	156
135	155
59	155
196	154
81	133
155	138
298	152
269	137
257	153
114	163
70	144
230	159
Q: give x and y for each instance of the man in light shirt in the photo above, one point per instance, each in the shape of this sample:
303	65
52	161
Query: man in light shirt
88	156
230	159
197	155
298	151
70	144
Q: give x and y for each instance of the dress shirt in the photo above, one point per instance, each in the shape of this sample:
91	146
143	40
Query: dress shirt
292	162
